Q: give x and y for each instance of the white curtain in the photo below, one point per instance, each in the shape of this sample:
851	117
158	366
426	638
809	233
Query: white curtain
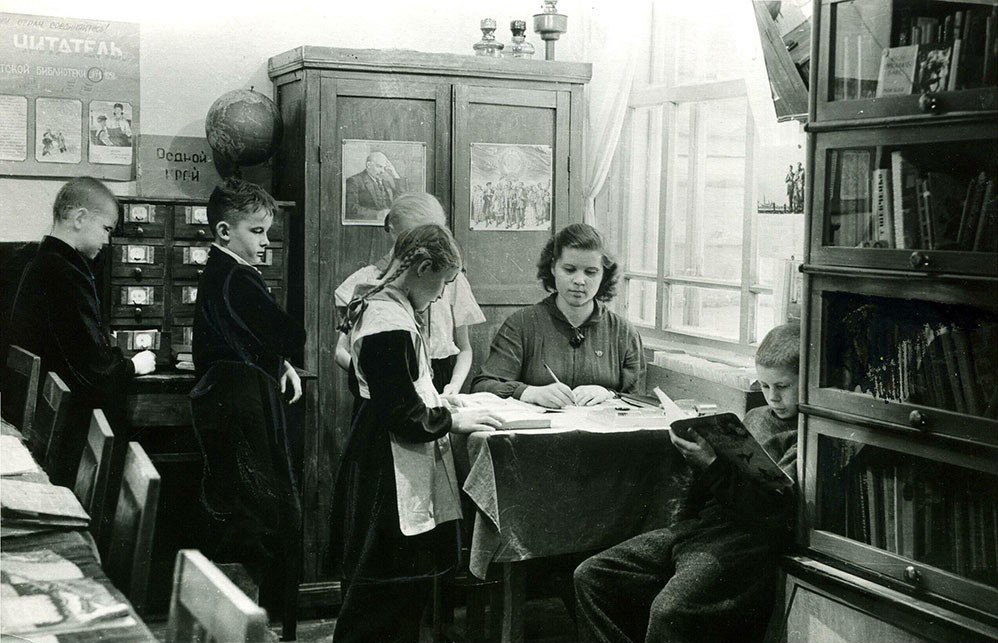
612	31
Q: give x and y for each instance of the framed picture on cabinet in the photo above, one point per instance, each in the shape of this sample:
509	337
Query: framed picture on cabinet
511	187
374	173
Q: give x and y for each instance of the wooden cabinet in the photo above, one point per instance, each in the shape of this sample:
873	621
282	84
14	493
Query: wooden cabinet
891	59
899	393
448	104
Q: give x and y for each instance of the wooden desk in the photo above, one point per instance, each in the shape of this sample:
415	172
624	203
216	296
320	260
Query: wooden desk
547	492
77	546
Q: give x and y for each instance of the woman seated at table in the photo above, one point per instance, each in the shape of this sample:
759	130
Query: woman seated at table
593	352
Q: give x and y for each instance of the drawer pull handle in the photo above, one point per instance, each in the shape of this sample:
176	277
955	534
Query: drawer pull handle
918	260
137	272
918	419
138	312
201	233
200	271
912	575
139	231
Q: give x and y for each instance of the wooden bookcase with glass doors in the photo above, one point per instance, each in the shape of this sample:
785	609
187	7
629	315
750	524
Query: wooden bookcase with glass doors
900	379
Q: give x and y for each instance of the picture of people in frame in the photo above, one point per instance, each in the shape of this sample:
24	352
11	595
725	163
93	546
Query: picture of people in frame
511	187
111	135
57	130
375	172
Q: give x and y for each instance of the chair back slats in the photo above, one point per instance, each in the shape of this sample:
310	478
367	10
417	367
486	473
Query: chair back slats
46	430
130	550
23	371
207	606
95	466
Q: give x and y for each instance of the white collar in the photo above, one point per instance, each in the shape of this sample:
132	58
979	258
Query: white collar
234	256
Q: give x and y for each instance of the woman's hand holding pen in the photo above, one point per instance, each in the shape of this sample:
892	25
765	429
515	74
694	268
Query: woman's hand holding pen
552	396
474	420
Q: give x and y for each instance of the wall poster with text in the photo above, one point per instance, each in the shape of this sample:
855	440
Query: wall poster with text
69	97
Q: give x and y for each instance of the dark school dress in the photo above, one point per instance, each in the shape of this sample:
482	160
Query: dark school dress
711	575
387	574
250	510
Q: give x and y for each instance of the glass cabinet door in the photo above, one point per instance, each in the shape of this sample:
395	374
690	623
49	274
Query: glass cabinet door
881	56
924	364
924	515
922	198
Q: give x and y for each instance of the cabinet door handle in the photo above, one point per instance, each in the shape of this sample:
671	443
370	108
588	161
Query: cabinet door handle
912	575
918	260
929	103
918	419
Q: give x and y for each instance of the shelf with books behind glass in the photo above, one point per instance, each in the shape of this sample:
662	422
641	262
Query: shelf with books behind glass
914	356
878	58
921	199
909	512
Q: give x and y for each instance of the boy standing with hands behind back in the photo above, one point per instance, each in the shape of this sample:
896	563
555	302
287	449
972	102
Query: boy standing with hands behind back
710	575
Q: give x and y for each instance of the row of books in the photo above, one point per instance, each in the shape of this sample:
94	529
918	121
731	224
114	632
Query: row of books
907	207
952	366
933	513
940	53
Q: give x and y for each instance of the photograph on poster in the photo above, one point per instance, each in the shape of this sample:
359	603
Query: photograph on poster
13	128
375	172
58	122
110	132
510	187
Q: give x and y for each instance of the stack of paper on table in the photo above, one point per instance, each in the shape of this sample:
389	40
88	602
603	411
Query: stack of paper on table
513	413
15	458
43	593
33	504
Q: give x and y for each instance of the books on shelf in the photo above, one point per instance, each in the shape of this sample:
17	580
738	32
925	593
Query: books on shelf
897	70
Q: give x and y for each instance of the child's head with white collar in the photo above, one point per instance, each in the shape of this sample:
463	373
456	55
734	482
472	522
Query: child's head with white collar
777	363
240	214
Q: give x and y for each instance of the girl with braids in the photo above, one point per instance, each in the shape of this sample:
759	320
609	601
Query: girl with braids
396	505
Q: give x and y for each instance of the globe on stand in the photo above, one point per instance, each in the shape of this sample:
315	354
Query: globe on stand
243	128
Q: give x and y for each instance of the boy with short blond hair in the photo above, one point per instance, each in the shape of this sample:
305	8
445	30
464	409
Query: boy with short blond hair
712	574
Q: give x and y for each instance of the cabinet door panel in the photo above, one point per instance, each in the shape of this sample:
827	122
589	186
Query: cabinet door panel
511	185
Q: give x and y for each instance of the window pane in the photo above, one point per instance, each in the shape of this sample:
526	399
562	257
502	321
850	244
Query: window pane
702	44
704	311
707	235
678	201
643	207
779	198
642	301
764	315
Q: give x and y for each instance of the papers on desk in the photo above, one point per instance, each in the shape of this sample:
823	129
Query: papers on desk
45	594
33	504
513	413
15	457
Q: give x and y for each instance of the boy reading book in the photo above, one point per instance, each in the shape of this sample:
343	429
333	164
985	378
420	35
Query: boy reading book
710	575
241	346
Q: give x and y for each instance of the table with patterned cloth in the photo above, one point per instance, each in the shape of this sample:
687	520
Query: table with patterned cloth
548	492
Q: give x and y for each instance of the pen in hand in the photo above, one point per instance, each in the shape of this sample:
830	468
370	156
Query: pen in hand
551	373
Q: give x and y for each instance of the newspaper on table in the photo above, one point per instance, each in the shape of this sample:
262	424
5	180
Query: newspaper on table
24	504
15	458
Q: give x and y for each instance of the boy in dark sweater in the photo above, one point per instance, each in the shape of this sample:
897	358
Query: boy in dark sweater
712	574
57	313
241	345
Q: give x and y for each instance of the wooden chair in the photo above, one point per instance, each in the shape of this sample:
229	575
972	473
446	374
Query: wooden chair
20	394
207	606
48	427
94	469
129	551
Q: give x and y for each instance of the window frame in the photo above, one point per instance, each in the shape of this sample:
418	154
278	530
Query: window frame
669	99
